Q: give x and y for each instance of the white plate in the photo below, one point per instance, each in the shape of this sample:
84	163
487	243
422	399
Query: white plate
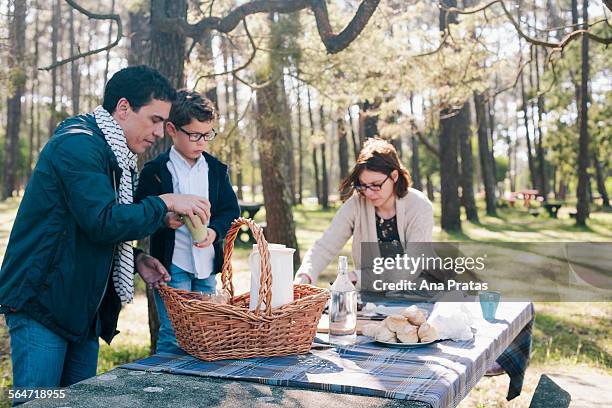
405	345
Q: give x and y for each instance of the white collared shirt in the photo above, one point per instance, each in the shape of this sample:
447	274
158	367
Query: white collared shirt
190	180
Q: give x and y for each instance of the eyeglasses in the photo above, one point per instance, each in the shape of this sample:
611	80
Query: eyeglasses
374	187
196	136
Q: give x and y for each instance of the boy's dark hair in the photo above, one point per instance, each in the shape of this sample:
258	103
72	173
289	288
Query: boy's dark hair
190	105
139	85
380	156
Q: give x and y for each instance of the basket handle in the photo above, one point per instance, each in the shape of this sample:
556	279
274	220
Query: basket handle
265	276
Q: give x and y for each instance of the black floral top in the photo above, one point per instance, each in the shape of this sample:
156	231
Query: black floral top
388	237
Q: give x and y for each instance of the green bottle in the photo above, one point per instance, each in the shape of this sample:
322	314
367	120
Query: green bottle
198	231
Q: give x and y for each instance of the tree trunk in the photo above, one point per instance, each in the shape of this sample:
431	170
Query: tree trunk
300	192
110	38
75	74
272	150
449	171
511	161
430	188
168	57
414	158
582	207
601	182
315	161
168	49
55	27
483	151
153	318
467	166
13	104
343	150
227	123
448	143
288	134
34	124
354	138
530	160
237	146
491	127
562	189
368	119
324	174
543	180
139	50
414	165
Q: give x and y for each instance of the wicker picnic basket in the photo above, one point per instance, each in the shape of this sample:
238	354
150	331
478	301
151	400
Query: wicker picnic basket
212	331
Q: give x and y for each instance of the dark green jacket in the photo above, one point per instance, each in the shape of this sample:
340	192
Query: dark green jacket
58	262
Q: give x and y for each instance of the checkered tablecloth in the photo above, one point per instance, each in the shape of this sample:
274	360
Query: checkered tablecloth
441	374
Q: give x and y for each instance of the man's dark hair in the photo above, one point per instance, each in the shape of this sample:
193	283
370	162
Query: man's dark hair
139	85
190	105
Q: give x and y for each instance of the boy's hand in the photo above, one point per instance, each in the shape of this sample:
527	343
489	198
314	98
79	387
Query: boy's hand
210	238
173	220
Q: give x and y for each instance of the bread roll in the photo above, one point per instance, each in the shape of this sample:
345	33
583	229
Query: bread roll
408	334
415	316
384	334
370	329
395	322
427	333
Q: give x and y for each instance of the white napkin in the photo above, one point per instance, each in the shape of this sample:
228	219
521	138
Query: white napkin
452	322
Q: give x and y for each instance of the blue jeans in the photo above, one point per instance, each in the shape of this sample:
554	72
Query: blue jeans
166	341
43	359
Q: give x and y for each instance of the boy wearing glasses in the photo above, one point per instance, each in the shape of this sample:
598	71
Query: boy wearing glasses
187	168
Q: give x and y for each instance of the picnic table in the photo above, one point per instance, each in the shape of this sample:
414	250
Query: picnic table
527	196
363	375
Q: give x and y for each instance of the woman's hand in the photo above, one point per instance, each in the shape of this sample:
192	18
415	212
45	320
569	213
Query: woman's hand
302	278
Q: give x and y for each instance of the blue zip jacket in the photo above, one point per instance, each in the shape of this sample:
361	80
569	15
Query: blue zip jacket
57	265
155	179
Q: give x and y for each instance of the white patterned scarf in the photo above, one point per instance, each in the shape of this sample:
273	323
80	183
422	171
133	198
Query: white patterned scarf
123	269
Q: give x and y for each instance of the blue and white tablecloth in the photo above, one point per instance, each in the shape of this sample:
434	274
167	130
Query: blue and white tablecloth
441	374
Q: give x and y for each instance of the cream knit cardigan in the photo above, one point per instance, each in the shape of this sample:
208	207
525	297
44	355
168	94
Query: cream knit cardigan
357	218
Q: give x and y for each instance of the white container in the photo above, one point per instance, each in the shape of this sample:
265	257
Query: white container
281	260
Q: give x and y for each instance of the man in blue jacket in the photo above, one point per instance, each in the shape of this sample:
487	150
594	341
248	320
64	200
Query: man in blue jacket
69	263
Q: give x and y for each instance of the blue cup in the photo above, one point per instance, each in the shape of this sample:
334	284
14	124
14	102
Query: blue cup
488	303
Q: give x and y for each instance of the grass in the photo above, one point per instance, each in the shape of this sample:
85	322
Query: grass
567	336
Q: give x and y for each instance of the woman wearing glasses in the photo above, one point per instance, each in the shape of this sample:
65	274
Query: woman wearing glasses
379	207
187	168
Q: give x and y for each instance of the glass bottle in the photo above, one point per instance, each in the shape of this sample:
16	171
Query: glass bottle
343	307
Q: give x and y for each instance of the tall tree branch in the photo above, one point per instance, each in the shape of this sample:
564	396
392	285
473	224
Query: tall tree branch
95	16
334	43
556	45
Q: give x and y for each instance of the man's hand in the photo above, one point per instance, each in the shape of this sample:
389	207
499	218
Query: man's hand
173	220
189	205
151	270
210	238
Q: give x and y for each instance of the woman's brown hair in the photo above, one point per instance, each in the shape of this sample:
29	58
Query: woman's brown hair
380	156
